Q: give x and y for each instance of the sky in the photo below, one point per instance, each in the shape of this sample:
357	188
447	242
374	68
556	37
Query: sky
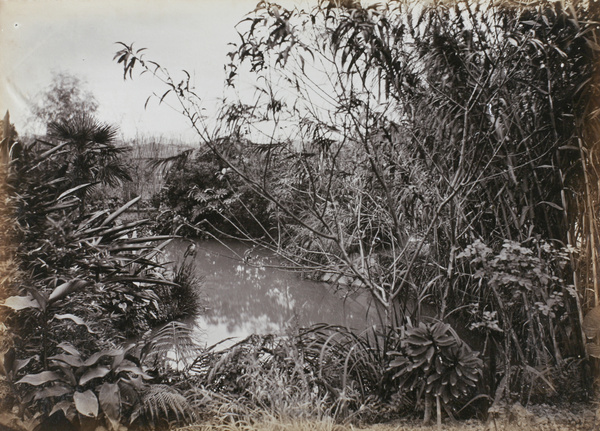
39	37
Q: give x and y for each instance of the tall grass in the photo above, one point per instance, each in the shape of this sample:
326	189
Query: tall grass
270	423
261	373
323	373
147	181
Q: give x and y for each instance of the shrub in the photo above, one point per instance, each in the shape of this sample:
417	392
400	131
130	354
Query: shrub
437	364
201	191
528	312
88	283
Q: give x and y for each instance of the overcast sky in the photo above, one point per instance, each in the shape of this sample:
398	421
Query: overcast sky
38	37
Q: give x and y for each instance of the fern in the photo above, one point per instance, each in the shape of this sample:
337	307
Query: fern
171	346
162	403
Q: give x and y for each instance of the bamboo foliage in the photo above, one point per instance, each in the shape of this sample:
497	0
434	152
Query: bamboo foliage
422	129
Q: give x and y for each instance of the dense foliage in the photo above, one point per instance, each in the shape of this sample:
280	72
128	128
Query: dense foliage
201	196
444	162
440	157
91	296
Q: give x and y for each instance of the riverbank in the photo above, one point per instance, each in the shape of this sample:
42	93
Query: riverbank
571	417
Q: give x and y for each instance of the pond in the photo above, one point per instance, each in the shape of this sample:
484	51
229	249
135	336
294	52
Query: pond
258	298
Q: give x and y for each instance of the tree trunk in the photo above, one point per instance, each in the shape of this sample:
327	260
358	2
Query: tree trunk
438	408
427	415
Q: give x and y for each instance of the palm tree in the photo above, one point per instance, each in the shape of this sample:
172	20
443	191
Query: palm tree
90	154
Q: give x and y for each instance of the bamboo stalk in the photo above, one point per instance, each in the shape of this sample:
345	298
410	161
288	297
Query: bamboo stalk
589	213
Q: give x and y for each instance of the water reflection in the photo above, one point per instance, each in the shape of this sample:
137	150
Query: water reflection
244	299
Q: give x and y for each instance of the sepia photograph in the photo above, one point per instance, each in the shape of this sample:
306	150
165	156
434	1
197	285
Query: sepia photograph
319	215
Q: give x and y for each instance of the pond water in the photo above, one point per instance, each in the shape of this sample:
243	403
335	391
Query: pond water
257	298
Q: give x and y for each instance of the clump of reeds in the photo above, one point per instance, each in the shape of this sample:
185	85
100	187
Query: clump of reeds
147	181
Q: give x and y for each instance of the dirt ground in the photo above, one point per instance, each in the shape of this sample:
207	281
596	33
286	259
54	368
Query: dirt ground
575	417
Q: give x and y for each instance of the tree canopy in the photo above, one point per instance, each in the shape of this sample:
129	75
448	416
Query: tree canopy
64	99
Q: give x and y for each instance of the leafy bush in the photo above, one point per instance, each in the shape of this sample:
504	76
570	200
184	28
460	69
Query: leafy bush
200	191
71	385
88	283
527	311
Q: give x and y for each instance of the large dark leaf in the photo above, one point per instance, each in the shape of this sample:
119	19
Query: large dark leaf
40	378
67	288
86	403
120	211
52	391
21	302
69	348
110	402
67	408
93	359
72	317
93	373
73	360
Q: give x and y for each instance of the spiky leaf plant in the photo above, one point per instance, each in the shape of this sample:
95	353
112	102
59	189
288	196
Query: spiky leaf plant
92	154
436	363
352	369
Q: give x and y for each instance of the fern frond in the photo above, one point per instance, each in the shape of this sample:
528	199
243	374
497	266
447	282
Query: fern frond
173	343
163	403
